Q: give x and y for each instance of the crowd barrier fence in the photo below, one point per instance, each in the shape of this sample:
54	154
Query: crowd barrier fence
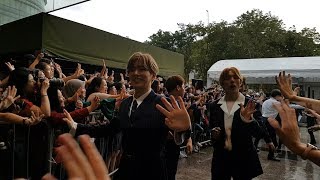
27	152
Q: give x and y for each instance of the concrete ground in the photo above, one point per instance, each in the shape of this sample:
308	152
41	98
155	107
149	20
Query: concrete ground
291	167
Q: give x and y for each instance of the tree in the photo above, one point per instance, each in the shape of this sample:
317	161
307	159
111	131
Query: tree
253	34
180	41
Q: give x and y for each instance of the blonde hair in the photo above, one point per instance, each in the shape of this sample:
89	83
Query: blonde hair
225	74
145	60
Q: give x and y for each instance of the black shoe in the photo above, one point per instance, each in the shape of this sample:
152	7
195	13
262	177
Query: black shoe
274	159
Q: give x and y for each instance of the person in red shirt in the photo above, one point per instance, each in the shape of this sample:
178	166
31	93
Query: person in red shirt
57	101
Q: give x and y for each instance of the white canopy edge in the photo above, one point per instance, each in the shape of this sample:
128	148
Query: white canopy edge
303	69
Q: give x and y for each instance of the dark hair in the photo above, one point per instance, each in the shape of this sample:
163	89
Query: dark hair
174	81
155	85
82	77
275	92
109	86
42	65
94	85
118	86
54	99
19	78
46	60
35	73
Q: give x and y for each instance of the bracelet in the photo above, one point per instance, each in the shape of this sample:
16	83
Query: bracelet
44	95
306	152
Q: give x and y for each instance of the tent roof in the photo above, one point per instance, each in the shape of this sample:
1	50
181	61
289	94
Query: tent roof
263	70
81	43
300	67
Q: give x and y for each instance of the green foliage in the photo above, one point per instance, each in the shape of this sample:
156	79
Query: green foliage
253	34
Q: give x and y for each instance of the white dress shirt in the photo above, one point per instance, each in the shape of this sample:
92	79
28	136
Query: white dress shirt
268	109
139	100
228	117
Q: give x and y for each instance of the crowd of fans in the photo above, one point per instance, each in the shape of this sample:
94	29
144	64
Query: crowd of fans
41	96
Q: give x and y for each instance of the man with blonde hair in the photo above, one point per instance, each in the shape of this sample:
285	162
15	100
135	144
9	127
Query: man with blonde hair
232	129
144	123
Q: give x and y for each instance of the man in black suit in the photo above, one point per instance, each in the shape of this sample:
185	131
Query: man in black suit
175	87
143	122
232	130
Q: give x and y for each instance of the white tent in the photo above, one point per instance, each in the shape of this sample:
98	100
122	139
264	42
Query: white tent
257	71
304	70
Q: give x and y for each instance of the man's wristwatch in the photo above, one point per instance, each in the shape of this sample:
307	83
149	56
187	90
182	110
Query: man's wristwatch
306	152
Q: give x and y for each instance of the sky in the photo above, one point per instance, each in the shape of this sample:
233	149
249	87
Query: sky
139	19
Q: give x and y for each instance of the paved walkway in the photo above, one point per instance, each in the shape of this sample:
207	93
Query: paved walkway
291	167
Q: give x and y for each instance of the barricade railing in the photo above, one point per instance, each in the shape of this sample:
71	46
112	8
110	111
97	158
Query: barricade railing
17	146
103	144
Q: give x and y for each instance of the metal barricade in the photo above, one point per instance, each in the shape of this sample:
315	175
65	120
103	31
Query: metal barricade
108	147
27	148
103	145
27	152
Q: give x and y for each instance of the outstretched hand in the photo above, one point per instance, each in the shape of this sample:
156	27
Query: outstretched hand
34	119
95	103
10	97
79	71
104	68
285	85
68	119
177	118
10	66
288	132
111	77
247	111
80	164
314	128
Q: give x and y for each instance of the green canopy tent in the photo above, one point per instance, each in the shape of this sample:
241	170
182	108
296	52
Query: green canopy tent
81	43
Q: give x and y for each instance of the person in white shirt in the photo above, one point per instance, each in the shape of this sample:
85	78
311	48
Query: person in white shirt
269	111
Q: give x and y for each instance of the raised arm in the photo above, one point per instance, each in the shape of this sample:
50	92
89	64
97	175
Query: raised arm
10	98
315	114
36	61
289	133
177	117
315	127
102	96
285	85
4	82
45	104
35	118
101	130
75	75
80	163
104	70
58	68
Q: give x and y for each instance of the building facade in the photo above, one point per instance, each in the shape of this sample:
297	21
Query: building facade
12	10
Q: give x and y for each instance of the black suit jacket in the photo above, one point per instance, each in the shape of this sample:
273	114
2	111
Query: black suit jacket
143	139
242	161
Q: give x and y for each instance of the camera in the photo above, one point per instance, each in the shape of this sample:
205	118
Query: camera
56	83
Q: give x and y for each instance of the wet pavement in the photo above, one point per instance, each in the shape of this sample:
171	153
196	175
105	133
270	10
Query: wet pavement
291	167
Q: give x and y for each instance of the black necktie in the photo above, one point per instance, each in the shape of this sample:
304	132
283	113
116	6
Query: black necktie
133	109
